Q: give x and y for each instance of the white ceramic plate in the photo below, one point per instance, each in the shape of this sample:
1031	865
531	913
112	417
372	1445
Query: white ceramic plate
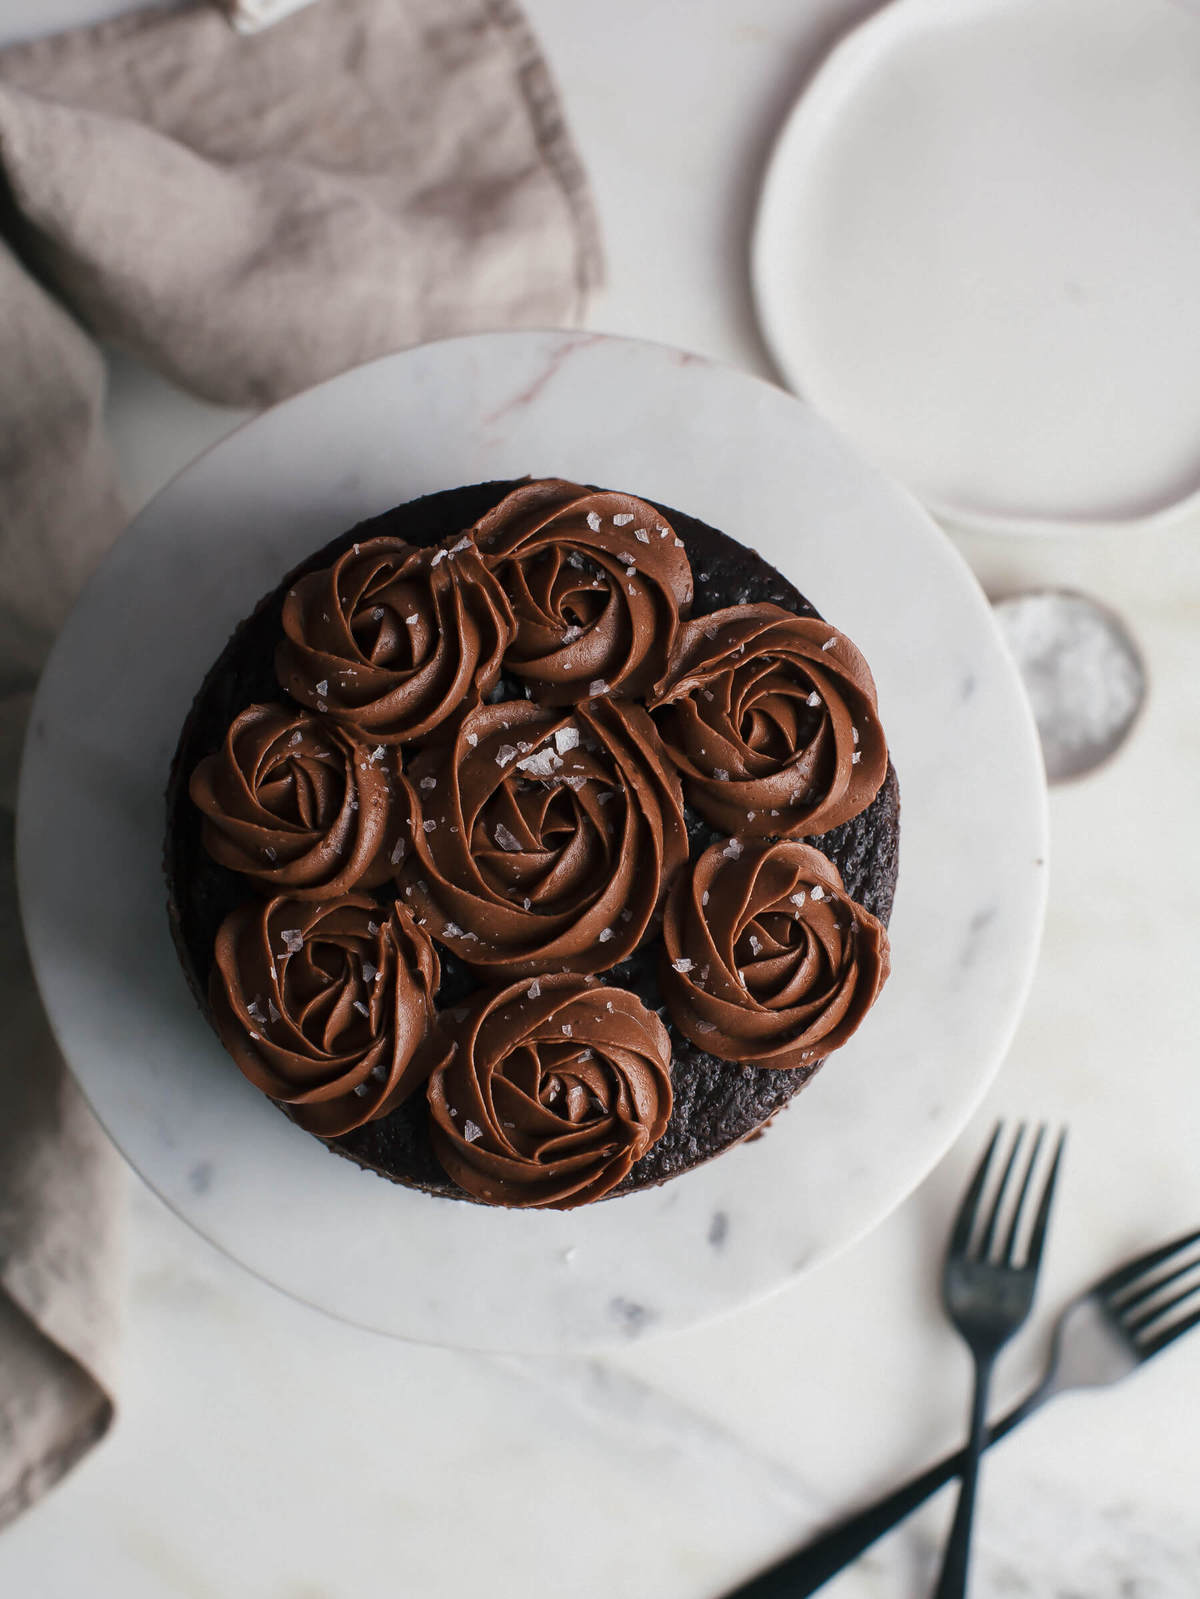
977	252
734	451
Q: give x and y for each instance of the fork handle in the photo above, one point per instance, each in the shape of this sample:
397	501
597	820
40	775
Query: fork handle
952	1580
810	1568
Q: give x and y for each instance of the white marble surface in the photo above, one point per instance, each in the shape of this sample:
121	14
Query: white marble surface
264	1452
760	465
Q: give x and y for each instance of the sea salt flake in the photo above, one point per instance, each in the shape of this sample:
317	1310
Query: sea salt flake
535	989
817	891
321	706
542	763
755	946
255	1009
379	1073
610	1007
452	930
854	734
572	633
798	899
527	902
505	754
814	699
682	965
372	928
605	934
464	543
523	746
293	940
856	757
358	549
257	1037
733	849
472	1133
361	1008
368	971
438	555
593	521
641	535
429	825
568	1030
597	686
472	739
398	852
296	738
704	898
271	1011
377	614
270	853
625	558
566	738
623	519
506	838
629	572
721	775
678	542
414	618
829	643
429	782
323	687
378	754
705	1027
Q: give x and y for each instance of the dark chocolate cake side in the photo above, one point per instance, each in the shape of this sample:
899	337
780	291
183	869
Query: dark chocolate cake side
716	1103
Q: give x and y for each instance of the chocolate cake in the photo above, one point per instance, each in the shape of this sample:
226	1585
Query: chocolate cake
454	874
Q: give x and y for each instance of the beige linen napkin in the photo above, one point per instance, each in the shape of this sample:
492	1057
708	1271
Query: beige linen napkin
249	215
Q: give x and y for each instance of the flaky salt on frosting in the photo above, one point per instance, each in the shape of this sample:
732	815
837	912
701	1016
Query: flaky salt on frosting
545	838
394	638
598	582
327	1008
556	1087
772	721
767	960
301	804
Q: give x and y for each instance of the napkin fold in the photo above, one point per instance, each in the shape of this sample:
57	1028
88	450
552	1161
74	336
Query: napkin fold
248	215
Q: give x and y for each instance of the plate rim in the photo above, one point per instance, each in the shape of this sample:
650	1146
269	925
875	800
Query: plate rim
833	73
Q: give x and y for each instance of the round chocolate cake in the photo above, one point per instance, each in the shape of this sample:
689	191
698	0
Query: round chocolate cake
533	843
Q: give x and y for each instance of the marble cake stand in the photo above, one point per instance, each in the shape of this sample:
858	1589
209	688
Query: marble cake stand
738	453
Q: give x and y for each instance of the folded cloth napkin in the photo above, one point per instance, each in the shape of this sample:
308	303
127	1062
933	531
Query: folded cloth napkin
248	215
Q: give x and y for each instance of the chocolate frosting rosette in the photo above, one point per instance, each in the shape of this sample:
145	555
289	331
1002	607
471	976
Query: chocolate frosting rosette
766	959
772	720
598	582
394	638
545	838
327	1008
556	1087
301	804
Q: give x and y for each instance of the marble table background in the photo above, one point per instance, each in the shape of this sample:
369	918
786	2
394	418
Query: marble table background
264	1452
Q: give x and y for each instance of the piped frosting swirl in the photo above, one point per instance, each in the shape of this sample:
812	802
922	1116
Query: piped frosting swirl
556	1087
598	582
766	959
772	721
327	1007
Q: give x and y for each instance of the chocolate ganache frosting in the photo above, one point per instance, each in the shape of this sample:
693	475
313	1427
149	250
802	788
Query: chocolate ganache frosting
544	837
401	872
556	1086
328	1008
766	958
598	582
302	804
772	720
393	638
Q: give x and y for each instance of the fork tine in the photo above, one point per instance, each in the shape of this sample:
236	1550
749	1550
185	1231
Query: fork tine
1148	1290
964	1222
1133	1269
1144	1318
989	1231
1159	1342
1018	1208
1037	1238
